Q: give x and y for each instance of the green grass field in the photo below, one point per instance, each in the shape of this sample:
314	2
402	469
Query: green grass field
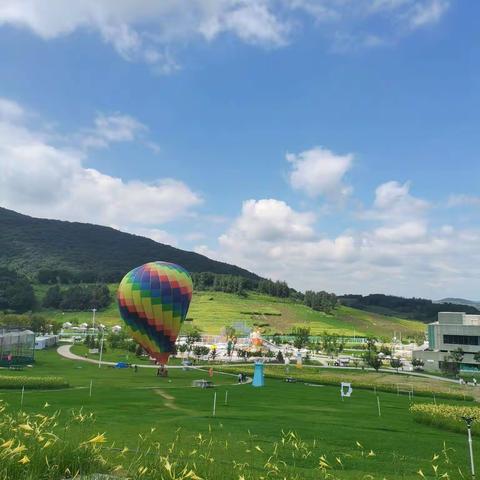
211	311
249	429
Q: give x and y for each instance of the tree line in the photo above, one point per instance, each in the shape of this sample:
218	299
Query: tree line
78	297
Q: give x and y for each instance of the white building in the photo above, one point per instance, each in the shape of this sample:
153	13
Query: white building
45	341
451	331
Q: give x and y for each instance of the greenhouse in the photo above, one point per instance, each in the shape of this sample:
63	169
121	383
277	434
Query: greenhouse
16	347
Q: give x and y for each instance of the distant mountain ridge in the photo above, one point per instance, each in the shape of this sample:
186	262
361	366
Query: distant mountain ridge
29	244
460	301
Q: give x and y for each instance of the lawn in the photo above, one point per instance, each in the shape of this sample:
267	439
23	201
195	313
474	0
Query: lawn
249	429
212	311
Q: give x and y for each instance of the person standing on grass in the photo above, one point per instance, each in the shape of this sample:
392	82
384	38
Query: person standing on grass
240	376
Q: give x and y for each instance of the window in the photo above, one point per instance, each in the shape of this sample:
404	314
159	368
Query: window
461	339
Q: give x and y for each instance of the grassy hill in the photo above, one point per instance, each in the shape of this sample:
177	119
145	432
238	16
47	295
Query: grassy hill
211	311
29	244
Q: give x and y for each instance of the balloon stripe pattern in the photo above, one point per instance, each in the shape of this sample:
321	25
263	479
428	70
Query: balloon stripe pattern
153	300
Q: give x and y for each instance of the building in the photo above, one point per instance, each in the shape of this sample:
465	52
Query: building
45	341
451	331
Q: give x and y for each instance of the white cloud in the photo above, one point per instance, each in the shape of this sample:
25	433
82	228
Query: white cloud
269	220
42	179
394	203
320	172
145	30
461	200
401	253
112	128
427	13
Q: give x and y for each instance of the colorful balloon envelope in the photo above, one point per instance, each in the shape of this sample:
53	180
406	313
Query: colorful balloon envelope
153	300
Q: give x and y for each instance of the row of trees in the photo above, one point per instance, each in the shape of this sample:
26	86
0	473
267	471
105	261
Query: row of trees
321	301
35	322
237	284
78	297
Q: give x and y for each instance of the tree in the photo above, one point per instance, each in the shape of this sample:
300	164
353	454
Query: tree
417	364
200	351
373	360
476	356
213	353
396	363
53	297
370	356
302	337
280	358
457	355
386	350
193	336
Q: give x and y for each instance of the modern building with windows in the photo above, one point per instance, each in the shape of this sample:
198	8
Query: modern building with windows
451	331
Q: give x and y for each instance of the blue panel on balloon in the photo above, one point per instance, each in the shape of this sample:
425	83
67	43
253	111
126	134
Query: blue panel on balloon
258	375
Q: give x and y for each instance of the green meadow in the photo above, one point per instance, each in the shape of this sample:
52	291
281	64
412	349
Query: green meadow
291	430
212	311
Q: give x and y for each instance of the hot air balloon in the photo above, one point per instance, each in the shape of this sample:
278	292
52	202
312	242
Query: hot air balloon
153	300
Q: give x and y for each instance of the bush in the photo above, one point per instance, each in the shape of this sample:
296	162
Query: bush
32	383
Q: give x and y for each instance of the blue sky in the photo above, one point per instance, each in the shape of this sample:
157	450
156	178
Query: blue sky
331	143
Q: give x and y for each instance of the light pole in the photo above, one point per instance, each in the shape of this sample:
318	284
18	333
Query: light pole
469	421
93	318
101	349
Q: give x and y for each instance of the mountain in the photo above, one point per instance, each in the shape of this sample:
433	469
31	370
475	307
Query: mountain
29	244
460	301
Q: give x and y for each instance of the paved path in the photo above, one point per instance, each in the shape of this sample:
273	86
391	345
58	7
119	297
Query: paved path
64	351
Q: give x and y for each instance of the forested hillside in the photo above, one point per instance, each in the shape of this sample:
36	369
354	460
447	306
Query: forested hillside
410	308
28	245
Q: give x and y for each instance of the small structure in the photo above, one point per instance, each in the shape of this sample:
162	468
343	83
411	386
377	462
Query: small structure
16	347
346	389
45	341
203	384
258	377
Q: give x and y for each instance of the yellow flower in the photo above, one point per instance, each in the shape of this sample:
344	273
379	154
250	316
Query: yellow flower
24	460
19	449
26	427
7	444
100	438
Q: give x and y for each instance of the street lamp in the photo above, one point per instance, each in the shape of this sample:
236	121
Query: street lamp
93	318
469	421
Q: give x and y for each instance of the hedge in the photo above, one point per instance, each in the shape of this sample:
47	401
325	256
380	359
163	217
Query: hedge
32	383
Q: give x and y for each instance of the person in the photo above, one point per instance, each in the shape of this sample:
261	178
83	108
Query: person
158	371
135	368
474	381
240	376
210	372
